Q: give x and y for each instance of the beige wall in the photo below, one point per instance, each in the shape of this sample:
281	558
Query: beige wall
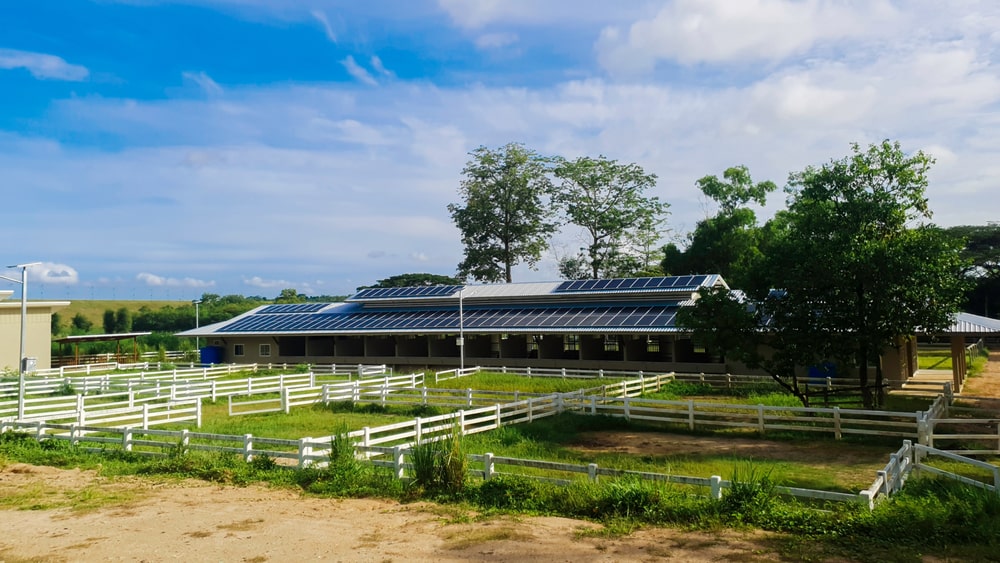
38	342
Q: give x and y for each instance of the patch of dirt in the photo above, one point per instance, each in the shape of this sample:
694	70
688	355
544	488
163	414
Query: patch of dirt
983	390
196	521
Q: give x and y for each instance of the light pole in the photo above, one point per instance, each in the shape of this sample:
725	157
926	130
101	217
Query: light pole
461	332
22	359
197	322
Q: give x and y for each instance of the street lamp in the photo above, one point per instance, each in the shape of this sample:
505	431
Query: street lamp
22	359
197	315
461	332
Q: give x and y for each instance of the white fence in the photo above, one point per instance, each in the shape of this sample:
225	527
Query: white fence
304	395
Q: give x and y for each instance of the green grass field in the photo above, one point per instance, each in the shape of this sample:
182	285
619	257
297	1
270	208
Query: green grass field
94	310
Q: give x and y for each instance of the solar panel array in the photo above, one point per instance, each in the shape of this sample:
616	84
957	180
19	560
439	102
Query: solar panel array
514	320
676	283
406	292
292	308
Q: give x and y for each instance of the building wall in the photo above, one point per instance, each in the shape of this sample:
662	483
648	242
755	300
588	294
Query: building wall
412	353
38	341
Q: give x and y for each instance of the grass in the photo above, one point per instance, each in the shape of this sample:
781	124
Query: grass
492	381
94	310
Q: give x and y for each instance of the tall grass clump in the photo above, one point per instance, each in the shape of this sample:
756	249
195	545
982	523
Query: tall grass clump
347	476
751	496
440	466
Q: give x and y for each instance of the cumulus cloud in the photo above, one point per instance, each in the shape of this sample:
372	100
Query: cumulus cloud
42	66
205	82
721	31
50	272
358	72
159	281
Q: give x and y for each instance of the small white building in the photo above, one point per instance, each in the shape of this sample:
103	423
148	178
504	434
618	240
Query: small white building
38	337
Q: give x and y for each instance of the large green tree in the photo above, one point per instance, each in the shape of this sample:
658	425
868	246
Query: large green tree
981	247
504	217
858	264
728	242
410	280
608	201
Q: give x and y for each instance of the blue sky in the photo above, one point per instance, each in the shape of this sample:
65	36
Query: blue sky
164	149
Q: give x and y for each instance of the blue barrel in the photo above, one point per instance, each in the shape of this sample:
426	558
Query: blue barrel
212	354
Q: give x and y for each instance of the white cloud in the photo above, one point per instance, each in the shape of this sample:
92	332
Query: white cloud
160	281
495	40
556	13
380	68
321	18
205	82
50	272
358	72
42	66
714	31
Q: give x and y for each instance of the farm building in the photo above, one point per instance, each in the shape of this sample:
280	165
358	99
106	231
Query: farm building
625	324
38	334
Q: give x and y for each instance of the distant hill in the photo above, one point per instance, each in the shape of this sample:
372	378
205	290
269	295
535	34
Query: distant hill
94	309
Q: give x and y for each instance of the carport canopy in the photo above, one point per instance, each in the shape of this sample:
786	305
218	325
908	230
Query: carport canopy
76	340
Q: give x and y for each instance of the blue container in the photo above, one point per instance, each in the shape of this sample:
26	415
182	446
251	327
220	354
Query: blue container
212	354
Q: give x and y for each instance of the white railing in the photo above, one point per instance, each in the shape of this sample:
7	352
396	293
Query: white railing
109	417
921	452
305	395
693	415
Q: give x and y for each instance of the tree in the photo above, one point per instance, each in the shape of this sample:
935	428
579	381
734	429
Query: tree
56	324
109	321
82	323
726	243
123	320
411	280
607	200
981	247
858	266
504	217
290	296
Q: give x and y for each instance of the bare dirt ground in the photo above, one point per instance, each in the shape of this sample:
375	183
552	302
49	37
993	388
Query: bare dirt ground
80	516
983	390
194	521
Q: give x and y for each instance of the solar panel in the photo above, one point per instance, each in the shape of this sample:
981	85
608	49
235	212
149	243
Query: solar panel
292	308
416	292
672	283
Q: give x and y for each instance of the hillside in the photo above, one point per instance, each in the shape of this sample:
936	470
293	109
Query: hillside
94	309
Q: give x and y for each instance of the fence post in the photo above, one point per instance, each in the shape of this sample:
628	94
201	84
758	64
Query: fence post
197	413
417	429
487	466
496	412
305	451
627	413
592	472
39	430
563	373
468	397
531	403
949	394
600	373
247	447
127	439
867	499
285	406
145	416
760	419
397	461
690	414
74	434
185	440
716	487
836	423
528	371
593	405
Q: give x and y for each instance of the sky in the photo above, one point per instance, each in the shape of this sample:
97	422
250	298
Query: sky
159	149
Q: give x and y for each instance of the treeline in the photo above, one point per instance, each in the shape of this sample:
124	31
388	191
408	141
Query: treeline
164	322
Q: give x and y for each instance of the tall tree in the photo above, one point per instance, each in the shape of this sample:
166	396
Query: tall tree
410	280
504	217
858	265
607	200
981	247
726	243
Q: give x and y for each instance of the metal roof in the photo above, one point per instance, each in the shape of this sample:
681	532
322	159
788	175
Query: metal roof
523	308
968	323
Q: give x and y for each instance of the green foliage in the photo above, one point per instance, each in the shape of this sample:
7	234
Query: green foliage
57	324
857	266
981	249
607	200
440	466
504	217
751	496
411	280
82	323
